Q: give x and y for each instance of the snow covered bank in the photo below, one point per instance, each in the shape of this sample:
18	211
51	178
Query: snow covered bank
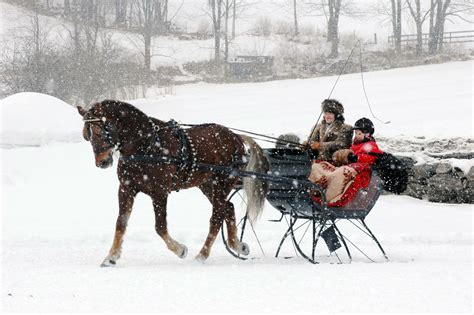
430	101
35	119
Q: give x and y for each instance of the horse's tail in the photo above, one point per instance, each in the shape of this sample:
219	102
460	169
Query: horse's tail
255	189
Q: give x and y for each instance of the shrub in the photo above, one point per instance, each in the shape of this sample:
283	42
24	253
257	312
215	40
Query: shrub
263	26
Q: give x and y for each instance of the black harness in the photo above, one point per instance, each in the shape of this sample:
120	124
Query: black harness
186	154
186	160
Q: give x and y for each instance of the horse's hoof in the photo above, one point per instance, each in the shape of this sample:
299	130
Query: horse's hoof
184	252
108	263
201	258
244	249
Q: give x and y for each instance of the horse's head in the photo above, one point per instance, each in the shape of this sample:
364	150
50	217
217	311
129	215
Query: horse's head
101	131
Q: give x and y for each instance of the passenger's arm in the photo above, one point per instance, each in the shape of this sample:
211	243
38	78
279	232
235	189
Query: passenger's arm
343	141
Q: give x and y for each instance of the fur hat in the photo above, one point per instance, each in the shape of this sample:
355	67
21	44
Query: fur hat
332	106
365	125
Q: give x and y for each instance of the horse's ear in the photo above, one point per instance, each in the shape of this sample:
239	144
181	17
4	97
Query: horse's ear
81	110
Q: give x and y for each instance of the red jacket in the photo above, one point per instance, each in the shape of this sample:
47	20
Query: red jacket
362	150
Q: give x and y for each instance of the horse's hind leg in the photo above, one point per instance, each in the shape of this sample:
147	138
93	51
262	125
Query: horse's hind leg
159	206
232	238
126	198
217	194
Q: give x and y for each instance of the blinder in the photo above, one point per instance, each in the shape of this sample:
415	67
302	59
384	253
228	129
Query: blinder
108	132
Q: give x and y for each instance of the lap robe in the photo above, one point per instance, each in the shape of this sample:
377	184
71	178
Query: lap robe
341	183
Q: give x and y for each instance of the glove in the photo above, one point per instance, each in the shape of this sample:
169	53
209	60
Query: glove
341	157
315	145
305	145
352	158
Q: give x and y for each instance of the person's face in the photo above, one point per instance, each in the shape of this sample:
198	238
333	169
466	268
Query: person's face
359	135
329	117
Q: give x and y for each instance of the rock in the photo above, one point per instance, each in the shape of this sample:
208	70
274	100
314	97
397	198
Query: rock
409	162
468	194
459	172
443	168
416	190
470	174
423	172
447	187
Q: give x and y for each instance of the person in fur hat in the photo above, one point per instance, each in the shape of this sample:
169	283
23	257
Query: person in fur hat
342	183
331	134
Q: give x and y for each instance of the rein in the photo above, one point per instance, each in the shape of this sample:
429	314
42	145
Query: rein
277	140
225	169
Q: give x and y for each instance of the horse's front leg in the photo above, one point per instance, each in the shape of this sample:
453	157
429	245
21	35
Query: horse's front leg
126	198
159	206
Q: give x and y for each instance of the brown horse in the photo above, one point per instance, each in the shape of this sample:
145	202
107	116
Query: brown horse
144	141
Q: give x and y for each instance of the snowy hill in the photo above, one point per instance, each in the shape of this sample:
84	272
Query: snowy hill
190	14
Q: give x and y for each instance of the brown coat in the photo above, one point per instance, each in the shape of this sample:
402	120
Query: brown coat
332	137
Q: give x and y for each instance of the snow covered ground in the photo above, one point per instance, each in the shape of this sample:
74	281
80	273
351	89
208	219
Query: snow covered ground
59	210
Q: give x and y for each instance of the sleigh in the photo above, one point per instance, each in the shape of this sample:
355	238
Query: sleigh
311	224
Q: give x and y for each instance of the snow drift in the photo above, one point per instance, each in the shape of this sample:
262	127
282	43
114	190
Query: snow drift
33	119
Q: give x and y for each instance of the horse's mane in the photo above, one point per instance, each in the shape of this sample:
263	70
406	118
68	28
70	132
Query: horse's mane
125	109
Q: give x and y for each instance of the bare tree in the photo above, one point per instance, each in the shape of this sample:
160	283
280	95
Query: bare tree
234	16
231	10
25	66
419	18
85	20
237	7
332	10
397	24
152	19
440	11
121	12
86	66
333	26
216	13
67	7
227	7
295	17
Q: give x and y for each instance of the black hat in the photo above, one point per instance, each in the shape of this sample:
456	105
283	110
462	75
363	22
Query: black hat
365	125
332	106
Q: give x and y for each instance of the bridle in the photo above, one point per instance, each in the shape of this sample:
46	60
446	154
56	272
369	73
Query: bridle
108	132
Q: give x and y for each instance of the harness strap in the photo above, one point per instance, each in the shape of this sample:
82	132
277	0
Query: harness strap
187	154
254	134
